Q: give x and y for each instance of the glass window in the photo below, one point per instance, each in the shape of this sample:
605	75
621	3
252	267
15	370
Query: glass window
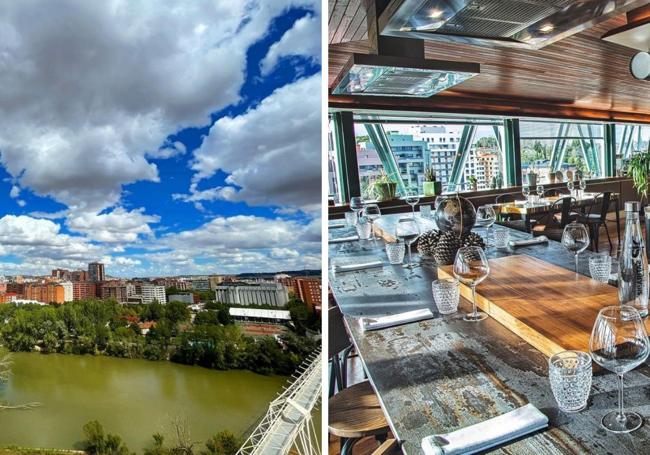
551	149
418	146
630	140
332	166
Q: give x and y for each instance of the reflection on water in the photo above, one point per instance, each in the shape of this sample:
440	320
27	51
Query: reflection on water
131	398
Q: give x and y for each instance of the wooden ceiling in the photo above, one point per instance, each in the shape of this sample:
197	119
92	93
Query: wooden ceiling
579	77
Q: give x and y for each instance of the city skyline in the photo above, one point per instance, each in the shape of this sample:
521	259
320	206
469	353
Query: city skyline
142	159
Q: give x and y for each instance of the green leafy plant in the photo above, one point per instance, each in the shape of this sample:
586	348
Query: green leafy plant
472	179
383	187
429	174
639	170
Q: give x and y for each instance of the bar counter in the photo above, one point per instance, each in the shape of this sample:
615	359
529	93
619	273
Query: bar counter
443	374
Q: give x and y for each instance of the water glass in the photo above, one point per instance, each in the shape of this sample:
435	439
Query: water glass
446	295
364	227
395	252
600	267
570	375
425	211
351	218
501	237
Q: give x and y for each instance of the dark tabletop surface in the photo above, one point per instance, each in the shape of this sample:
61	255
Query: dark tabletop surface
443	374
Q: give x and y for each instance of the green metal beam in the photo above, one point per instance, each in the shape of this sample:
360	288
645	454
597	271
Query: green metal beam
379	139
512	153
466	140
610	150
588	147
346	155
559	147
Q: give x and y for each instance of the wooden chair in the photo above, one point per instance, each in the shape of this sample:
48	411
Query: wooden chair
354	412
594	221
559	215
389	447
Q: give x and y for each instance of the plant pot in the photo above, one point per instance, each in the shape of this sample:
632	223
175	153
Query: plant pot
475	186
532	180
552	177
432	188
385	191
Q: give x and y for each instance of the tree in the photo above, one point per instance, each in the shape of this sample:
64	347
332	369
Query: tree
176	312
223	443
99	443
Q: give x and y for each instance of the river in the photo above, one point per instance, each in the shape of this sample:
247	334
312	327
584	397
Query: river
131	398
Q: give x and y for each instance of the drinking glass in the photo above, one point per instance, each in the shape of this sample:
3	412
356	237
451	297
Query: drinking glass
412	198
575	238
351	218
600	267
364	227
583	186
425	211
570	186
525	190
619	343
570	375
501	237
471	268
356	204
372	213
408	231
446	295
485	216
540	191
395	252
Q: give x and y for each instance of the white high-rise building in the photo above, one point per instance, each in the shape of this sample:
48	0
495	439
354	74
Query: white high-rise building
151	292
68	294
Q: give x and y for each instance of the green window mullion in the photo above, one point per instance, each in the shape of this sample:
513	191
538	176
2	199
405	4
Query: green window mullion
466	139
610	150
512	153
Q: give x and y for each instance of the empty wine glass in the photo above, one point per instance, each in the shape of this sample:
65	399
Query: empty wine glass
525	190
356	204
570	186
471	268
575	238
583	186
619	343
486	216
540	191
372	212
412	198
408	231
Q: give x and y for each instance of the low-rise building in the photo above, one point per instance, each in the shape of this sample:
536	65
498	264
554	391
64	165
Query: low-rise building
259	315
185	298
266	293
83	290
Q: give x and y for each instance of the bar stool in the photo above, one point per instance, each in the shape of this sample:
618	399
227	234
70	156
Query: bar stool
354	412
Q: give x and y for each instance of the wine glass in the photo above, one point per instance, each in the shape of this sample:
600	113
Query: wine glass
583	186
372	212
485	216
356	204
525	190
540	192
619	343
570	186
575	238
412	198
471	268
408	231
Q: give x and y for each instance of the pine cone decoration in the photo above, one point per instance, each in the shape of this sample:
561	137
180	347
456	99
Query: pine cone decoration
473	239
445	251
428	241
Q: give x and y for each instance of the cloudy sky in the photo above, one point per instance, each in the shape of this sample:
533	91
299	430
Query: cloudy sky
161	137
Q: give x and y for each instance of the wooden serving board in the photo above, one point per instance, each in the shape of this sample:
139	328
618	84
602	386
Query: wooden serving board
552	308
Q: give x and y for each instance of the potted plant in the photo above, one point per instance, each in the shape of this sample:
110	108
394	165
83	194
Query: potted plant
473	181
639	170
384	187
532	178
431	186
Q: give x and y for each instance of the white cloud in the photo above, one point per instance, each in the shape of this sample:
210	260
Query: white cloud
271	152
15	192
119	225
302	39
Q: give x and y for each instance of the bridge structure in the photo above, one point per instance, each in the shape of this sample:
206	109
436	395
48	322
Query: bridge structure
287	426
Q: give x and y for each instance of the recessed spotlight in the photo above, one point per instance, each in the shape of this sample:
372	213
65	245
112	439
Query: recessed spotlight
436	13
547	28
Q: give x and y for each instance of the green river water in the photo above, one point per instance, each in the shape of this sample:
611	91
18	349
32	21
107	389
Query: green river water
131	398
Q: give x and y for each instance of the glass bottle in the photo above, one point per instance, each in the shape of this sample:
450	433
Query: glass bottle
633	263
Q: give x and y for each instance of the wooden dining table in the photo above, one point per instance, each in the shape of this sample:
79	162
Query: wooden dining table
528	209
443	374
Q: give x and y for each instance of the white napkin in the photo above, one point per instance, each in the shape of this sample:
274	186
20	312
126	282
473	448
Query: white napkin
351	238
359	266
533	241
336	225
487	434
384	322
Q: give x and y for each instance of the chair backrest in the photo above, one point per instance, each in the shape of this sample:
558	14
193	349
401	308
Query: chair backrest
337	335
553	192
504	198
563	206
604	205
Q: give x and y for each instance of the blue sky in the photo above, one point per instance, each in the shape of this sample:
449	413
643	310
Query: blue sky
183	141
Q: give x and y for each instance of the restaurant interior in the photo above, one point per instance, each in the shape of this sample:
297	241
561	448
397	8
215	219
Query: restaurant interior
488	175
